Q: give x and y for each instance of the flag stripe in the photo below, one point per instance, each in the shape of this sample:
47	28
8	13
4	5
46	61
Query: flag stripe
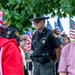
72	34
1	22
72	29
72	37
29	37
1	19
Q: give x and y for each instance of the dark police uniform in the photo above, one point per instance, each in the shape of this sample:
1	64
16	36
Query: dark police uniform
43	46
11	32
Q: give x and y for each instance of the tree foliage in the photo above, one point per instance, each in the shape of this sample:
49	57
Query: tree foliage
20	11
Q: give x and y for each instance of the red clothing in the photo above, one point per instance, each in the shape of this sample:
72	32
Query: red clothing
11	58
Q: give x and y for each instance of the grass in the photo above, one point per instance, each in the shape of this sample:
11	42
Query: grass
72	40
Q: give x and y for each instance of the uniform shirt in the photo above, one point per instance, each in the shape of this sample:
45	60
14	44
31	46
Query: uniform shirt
67	59
11	32
44	42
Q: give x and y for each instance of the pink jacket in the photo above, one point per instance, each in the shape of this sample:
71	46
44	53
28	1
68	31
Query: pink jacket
67	59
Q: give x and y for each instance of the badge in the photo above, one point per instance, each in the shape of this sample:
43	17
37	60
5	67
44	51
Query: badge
43	41
8	32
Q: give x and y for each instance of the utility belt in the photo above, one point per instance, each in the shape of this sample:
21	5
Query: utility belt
45	58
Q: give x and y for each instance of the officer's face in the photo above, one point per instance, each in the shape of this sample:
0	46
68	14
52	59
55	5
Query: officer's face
39	24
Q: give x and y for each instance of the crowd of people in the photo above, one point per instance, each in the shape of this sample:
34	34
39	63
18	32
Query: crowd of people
51	53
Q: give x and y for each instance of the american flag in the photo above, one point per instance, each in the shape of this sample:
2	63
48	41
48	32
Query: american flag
29	38
58	24
1	19
49	25
72	29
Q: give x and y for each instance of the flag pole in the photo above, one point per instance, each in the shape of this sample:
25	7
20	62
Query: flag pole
69	26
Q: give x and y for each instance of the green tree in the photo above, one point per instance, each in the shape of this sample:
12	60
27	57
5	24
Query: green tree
20	11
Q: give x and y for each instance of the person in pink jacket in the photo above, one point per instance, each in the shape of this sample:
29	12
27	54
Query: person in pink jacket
67	60
10	57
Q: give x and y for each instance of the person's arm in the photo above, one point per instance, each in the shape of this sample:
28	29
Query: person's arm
58	52
56	44
11	60
62	73
62	68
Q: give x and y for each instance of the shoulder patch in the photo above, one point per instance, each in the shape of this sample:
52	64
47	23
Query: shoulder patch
54	35
16	33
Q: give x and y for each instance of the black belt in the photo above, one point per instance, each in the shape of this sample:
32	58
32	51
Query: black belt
45	58
37	59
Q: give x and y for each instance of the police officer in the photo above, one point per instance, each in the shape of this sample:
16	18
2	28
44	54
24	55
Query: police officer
43	46
10	32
